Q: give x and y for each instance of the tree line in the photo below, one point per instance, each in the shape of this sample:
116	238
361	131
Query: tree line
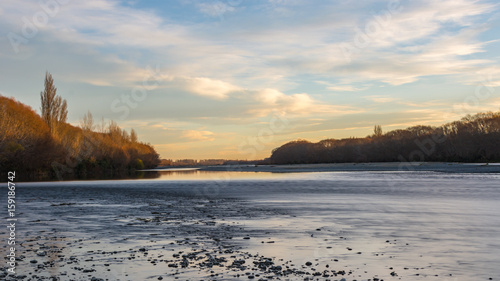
474	138
47	147
205	162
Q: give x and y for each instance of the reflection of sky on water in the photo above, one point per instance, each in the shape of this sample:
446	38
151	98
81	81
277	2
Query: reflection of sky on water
195	174
430	223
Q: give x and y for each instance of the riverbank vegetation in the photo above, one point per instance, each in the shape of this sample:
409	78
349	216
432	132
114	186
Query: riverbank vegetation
474	138
47	147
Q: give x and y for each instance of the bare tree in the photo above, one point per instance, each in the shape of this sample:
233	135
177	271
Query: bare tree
377	131
115	132
101	128
87	123
54	109
133	136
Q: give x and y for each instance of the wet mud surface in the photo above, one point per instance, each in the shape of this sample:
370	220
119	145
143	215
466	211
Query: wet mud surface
242	230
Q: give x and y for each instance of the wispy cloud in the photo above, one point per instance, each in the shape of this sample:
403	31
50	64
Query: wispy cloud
194	135
216	89
263	57
380	99
215	9
272	100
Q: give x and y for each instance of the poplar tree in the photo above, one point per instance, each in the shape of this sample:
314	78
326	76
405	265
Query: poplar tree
54	109
377	131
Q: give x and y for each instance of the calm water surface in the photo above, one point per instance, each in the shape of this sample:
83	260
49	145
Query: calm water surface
421	226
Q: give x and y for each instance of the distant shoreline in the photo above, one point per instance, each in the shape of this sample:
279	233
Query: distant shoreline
441	167
444	167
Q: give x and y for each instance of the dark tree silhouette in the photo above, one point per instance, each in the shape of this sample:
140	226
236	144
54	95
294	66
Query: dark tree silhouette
472	139
377	131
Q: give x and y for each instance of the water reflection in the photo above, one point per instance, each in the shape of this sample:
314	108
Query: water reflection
197	174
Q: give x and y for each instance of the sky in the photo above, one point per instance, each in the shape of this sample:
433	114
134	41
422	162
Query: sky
235	79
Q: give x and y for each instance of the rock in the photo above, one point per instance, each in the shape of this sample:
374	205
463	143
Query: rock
308	263
41	253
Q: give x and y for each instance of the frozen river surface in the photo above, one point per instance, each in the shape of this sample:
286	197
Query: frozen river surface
194	225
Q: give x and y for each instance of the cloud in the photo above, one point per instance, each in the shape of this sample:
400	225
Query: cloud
488	77
271	51
380	99
264	60
211	88
423	104
444	56
472	105
343	88
427	38
272	100
492	83
256	102
214	9
417	20
101	23
194	135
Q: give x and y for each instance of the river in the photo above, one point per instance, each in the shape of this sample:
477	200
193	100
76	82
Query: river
199	225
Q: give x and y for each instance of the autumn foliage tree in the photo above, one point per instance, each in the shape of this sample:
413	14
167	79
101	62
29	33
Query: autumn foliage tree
25	140
47	147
